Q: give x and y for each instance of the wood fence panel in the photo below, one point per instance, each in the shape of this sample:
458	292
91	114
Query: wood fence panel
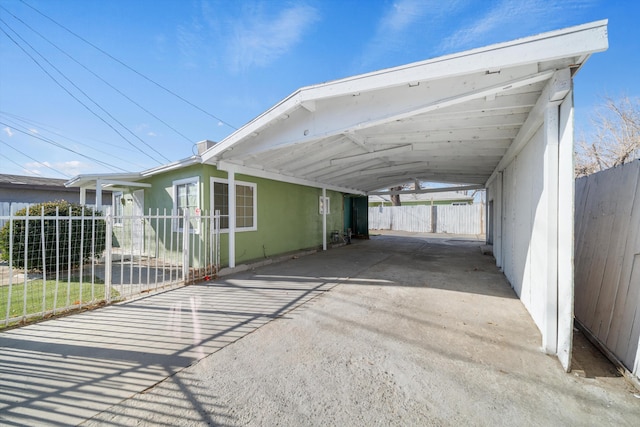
607	263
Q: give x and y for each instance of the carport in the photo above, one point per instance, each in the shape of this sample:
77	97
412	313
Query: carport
498	117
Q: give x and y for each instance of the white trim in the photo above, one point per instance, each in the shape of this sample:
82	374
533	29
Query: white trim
261	173
253	185
174	191
117	206
575	41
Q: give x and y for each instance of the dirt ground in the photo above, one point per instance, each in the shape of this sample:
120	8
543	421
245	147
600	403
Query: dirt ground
417	331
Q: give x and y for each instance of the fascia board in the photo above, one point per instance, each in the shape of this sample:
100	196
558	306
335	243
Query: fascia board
580	41
83	180
193	160
258	173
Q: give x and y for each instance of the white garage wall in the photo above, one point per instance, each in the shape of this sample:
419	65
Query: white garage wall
524	221
533	225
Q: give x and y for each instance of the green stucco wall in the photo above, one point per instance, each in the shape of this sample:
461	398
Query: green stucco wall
288	217
288	220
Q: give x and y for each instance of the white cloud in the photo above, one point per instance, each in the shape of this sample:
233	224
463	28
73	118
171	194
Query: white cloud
258	38
404	23
70	167
508	19
34	131
8	131
243	34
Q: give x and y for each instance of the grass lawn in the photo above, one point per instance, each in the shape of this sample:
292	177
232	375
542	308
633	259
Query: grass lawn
67	294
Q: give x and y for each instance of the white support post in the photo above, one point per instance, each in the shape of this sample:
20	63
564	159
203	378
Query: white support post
231	180
498	221
83	196
549	203
566	200
324	219
98	195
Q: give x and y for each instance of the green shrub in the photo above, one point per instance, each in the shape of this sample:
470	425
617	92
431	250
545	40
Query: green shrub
75	244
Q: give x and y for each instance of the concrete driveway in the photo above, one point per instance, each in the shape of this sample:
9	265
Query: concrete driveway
412	330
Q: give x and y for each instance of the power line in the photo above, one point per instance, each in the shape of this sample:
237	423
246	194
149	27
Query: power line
80	90
57	144
130	68
99	77
12	161
12	117
37	161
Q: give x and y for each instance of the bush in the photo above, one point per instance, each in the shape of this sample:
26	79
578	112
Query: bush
75	244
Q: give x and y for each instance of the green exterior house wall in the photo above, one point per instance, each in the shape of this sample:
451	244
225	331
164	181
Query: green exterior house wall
288	215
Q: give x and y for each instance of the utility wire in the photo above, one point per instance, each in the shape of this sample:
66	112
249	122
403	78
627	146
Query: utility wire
98	77
130	68
57	144
49	127
12	161
13	118
80	90
37	161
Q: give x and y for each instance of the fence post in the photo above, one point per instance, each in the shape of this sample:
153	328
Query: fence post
186	225
26	265
107	254
434	218
216	223
44	260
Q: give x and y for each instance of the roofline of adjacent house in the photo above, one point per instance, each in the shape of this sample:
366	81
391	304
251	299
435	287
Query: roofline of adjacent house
193	160
81	180
430	69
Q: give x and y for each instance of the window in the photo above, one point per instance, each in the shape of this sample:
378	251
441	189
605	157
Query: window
186	197
324	203
118	208
246	204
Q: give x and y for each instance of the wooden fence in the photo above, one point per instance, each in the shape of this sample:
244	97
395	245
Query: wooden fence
607	260
459	219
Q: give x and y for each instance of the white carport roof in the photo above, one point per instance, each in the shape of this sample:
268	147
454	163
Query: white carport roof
457	118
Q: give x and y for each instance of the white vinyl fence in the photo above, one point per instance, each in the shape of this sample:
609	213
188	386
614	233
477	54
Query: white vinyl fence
451	219
54	263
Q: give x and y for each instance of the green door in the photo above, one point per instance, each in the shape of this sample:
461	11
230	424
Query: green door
356	215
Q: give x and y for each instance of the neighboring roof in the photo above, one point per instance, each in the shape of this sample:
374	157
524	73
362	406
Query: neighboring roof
426	197
451	119
30	181
117	179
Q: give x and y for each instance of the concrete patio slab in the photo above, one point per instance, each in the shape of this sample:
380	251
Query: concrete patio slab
412	330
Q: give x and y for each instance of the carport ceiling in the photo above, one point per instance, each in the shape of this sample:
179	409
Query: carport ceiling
450	119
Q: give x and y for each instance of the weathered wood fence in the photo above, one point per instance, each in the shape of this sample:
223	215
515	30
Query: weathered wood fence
454	219
607	260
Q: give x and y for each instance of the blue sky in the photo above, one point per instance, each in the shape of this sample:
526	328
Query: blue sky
232	60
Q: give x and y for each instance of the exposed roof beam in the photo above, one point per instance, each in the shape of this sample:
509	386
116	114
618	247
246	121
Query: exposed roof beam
428	190
358	140
419	136
225	166
552	94
371	155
